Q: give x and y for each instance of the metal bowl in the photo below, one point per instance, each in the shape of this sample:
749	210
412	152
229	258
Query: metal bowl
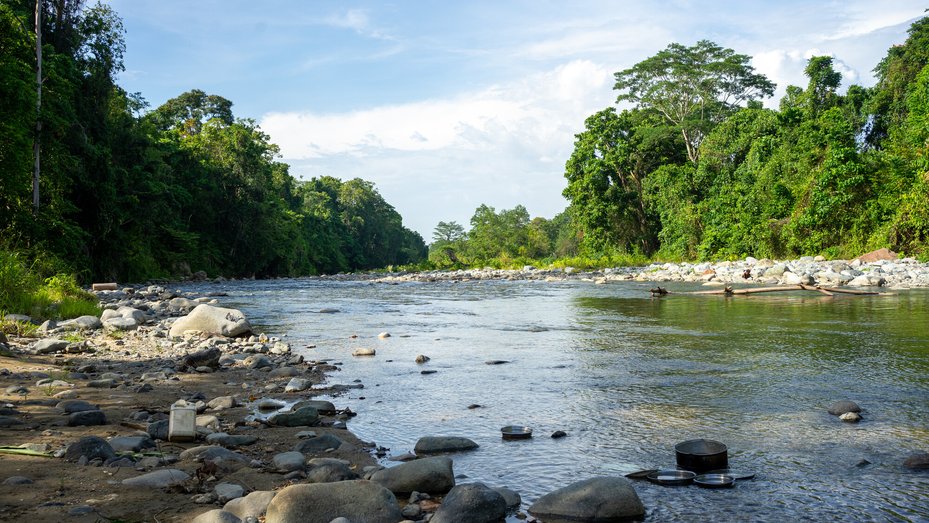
672	478
516	432
738	476
714	480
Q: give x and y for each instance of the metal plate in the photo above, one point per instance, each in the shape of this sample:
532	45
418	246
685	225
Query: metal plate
714	480
737	475
516	432
672	477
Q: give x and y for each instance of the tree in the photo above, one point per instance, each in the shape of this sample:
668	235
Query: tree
692	87
188	112
824	81
448	232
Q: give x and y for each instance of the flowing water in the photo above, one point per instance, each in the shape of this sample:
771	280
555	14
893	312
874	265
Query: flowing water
628	377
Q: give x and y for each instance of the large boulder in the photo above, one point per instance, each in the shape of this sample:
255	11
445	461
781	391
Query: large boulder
318	444
328	470
590	500
49	345
471	503
433	475
302	417
212	320
357	500
438	444
880	254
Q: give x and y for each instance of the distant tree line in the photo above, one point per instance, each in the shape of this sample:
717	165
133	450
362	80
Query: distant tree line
695	168
130	194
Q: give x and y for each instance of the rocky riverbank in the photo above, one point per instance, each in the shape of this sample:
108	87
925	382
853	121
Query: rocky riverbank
877	269
85	431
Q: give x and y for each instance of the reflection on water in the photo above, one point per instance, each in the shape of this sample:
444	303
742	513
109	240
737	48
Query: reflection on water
628	377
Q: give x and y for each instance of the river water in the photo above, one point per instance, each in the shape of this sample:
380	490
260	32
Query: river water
627	377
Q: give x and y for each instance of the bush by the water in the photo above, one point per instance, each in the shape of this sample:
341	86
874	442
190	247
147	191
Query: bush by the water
25	289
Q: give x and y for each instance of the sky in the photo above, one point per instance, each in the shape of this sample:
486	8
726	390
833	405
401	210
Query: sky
445	106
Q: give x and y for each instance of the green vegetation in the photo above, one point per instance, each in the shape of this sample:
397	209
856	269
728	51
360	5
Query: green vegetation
129	193
23	290
696	168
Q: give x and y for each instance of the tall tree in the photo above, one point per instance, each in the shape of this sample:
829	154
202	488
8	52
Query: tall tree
692	87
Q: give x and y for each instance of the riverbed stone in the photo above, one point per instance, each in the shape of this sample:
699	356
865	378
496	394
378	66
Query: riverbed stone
252	505
327	470
364	351
49	346
208	357
850	417
318	444
87	418
72	406
120	324
302	417
86	322
471	503
440	444
433	475
228	491
158	479
591	500
298	385
212	320
131	443
216	516
321	406
17	480
511	497
222	403
357	500
158	430
918	461
231	440
841	407
288	461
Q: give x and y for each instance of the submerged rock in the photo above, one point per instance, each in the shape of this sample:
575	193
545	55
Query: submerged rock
471	503
439	444
591	500
841	407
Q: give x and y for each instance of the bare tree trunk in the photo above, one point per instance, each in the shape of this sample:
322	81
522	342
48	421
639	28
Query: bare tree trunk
37	143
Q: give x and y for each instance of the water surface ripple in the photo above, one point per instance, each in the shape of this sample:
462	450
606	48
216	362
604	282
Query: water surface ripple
628	377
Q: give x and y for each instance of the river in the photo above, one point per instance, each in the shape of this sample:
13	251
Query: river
627	377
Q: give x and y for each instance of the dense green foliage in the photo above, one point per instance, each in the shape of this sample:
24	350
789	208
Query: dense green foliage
690	172
23	290
128	194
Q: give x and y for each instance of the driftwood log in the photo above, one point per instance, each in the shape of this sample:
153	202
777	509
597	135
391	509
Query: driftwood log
729	291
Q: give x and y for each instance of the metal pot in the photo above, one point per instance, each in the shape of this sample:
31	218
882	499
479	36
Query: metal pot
701	455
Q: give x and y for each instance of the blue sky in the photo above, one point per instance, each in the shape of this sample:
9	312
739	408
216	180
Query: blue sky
448	105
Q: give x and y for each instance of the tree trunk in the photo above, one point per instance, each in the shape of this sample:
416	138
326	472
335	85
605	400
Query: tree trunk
37	143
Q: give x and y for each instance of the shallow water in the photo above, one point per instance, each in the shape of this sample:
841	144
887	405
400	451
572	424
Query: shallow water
628	377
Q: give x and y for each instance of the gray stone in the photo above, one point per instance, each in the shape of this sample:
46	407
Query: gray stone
183	304
216	516
17	480
254	505
8	421
288	461
120	324
212	453
208	357
511	497
591	500
321	406
106	383
438	444
318	444
841	407
357	500
87	418
158	430
231	441
284	372
49	345
72	406
82	323
303	417
433	475
228	491
471	503
90	446
212	320
298	385
158	479
81	510
328	470
257	361
918	461
364	351
132	443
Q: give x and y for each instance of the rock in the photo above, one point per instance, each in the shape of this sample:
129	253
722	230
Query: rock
207	421
72	406
207	453
433	475
495	362
841	407
17	480
257	361
231	441
303	417
87	418
212	320
318	444
321	406
357	500
65	395
158	430
120	324
253	505
158	479
107	383
81	510
866	280
82	323
132	443
850	417
789	278
880	254
288	461
323	470
383	335
90	446
216	516
471	503
298	385
438	444
559	434
511	497
228	491
202	358
596	499
222	403
364	351
268	404
284	372
422	358
49	346
919	461
16	390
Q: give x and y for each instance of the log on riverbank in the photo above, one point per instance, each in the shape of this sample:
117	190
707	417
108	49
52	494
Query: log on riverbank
729	291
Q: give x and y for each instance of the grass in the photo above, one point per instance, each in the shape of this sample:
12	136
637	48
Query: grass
24	289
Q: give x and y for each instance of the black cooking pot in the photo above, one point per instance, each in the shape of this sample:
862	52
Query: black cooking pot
701	455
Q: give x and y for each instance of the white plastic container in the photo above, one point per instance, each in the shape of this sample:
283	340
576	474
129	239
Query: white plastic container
182	424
